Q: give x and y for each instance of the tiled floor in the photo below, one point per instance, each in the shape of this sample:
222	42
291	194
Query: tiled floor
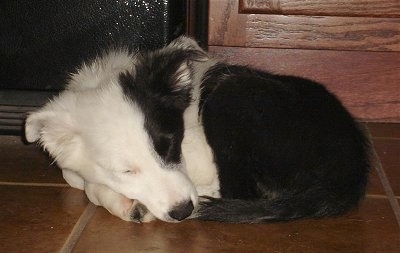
40	213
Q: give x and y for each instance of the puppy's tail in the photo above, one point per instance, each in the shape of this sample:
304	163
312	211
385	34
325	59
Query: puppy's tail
261	210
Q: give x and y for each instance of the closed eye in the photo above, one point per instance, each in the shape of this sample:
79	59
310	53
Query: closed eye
133	171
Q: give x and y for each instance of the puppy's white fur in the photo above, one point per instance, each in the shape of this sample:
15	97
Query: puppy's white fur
98	139
196	152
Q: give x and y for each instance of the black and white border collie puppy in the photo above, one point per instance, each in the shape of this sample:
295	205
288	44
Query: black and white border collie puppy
173	134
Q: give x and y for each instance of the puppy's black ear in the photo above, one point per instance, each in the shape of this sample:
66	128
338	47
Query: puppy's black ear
180	82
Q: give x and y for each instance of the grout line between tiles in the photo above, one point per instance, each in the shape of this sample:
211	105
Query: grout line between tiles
386	186
78	229
34	184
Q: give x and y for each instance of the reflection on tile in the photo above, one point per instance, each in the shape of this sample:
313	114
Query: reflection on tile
370	229
25	163
38	219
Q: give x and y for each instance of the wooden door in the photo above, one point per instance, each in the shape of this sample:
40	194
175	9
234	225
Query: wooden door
351	46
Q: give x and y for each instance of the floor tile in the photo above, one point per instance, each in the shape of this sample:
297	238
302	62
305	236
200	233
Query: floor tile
38	219
26	163
384	130
388	151
374	186
372	228
393	174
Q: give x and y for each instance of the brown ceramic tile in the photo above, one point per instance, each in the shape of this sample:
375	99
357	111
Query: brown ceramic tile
25	163
374	186
372	228
384	130
393	174
388	151
38	219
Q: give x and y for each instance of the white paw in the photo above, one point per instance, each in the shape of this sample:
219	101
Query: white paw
140	214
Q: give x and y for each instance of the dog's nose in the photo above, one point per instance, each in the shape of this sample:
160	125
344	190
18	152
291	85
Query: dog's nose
181	210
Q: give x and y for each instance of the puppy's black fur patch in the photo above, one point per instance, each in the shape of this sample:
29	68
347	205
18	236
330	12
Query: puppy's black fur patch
156	89
285	148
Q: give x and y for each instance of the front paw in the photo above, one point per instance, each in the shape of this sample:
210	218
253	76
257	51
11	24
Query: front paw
139	213
130	210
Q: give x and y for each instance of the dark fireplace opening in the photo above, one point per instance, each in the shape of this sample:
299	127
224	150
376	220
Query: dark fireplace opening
42	42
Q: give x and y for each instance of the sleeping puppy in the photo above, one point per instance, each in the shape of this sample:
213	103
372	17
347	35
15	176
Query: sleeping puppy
174	134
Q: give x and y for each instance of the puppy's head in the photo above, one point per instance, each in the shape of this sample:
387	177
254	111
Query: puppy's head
126	132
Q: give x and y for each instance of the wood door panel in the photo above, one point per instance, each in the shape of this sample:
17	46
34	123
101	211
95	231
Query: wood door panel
348	8
226	27
336	33
352	46
366	82
230	28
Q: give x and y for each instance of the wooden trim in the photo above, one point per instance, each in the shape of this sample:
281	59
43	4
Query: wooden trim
366	82
197	21
348	8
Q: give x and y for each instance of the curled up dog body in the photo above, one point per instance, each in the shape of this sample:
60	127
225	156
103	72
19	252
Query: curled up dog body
173	134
